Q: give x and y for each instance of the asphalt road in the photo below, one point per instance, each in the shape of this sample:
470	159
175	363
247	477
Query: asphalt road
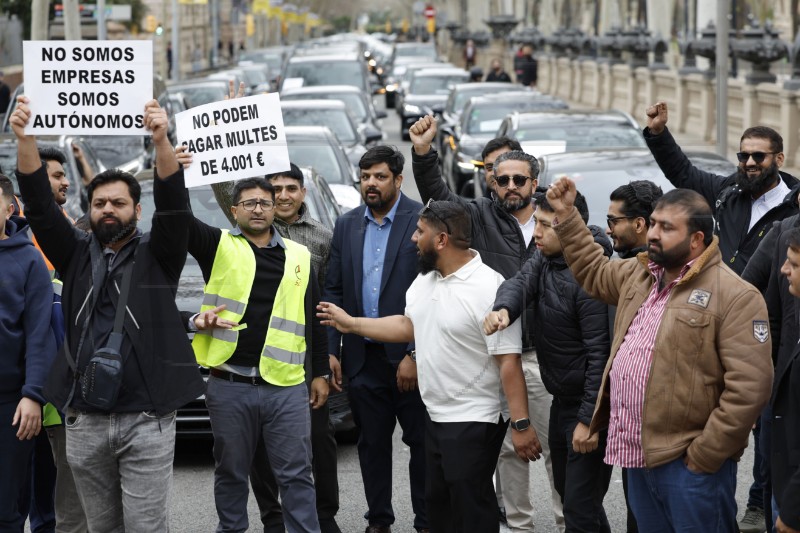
192	497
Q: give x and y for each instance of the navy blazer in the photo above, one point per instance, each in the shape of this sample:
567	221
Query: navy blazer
345	275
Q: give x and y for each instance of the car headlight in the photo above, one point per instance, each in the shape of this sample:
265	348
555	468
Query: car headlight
392	87
410	109
464	161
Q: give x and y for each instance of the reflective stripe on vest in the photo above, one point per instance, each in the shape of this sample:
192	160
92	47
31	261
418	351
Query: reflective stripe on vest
58	286
50	416
283	356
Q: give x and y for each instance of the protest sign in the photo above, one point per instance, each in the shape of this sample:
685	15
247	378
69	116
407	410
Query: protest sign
88	87
233	139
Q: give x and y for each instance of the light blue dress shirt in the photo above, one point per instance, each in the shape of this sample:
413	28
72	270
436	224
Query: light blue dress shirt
376	237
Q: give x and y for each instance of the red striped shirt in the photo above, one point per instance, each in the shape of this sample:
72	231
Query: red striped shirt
630	372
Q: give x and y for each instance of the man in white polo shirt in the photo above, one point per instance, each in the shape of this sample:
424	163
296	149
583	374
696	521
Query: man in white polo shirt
461	370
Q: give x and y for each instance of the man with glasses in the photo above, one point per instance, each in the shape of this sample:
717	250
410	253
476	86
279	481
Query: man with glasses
502	232
461	371
372	263
256	348
745	205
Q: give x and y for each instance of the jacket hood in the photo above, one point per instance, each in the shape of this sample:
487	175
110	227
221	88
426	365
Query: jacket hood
17	231
599	237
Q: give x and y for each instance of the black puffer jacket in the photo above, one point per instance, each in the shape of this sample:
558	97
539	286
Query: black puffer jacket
731	206
495	232
570	328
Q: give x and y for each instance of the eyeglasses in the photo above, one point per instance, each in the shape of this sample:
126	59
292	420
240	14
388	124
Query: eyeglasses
612	221
519	180
758	157
250	205
429	207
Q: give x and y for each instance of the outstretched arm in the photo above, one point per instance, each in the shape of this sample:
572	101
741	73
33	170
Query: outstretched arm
396	328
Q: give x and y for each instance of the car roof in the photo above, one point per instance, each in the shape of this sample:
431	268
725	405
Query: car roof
325	58
441	72
326	89
313	104
572	115
310	132
483	85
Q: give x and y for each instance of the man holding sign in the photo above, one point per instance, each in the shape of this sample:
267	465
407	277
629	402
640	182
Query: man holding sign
123	374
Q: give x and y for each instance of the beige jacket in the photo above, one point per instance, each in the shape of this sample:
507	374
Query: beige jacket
711	371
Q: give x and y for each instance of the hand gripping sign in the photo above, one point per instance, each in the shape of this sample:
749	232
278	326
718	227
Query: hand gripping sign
88	87
233	139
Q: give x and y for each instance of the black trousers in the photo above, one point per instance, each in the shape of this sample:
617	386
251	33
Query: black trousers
461	458
323	463
378	405
581	479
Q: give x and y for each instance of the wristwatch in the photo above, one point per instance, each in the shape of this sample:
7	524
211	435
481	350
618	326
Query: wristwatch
326	377
413	355
521	425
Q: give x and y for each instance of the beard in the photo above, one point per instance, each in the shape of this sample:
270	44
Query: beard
427	261
675	257
514	202
115	232
380	201
759	183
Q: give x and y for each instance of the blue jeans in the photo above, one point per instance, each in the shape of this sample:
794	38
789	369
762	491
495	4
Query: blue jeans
241	413
672	498
122	464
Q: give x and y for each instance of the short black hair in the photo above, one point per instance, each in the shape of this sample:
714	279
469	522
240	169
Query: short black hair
252	183
500	142
700	217
764	132
540	199
519	155
6	187
48	153
451	218
294	173
793	239
112	175
383	154
638	198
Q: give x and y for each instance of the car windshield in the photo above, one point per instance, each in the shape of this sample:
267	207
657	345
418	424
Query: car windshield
460	98
583	135
203	94
116	151
487	118
433	84
354	102
336	120
327	73
204	206
253	77
321	157
416	51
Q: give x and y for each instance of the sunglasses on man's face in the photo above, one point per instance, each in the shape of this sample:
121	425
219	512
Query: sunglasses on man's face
430	207
519	180
758	157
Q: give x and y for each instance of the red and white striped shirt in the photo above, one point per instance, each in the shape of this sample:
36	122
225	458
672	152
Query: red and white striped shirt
630	372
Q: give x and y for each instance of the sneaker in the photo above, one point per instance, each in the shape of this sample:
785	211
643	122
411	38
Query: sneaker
753	521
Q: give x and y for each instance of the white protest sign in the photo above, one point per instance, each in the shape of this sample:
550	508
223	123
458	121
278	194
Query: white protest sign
88	87
233	139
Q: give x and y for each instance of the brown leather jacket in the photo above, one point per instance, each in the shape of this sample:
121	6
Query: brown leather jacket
711	371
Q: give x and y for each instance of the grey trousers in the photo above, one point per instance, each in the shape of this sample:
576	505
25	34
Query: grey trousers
513	474
239	413
70	517
122	464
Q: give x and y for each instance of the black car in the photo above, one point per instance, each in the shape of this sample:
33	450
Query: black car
478	125
427	94
598	172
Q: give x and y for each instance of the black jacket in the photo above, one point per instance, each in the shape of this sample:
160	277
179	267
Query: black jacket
495	232
161	350
731	206
786	439
570	328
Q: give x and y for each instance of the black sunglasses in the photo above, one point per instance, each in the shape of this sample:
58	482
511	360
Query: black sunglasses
430	207
519	180
758	157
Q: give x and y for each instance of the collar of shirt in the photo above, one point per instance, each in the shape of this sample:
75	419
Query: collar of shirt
303	217
774	196
388	217
658	271
527	229
466	269
276	239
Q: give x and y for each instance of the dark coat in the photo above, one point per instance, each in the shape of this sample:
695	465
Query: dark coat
570	328
495	232
786	438
731	206
160	347
345	275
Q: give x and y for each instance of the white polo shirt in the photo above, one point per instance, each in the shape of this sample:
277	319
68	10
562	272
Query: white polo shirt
459	379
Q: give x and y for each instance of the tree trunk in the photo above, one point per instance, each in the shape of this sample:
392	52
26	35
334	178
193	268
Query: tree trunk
40	14
72	20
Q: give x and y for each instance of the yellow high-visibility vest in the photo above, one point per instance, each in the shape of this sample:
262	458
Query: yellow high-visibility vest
231	281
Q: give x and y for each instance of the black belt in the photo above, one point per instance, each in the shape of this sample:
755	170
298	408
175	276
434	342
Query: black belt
237	378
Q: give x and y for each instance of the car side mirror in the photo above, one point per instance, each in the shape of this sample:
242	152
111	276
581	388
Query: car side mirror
372	135
380	113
